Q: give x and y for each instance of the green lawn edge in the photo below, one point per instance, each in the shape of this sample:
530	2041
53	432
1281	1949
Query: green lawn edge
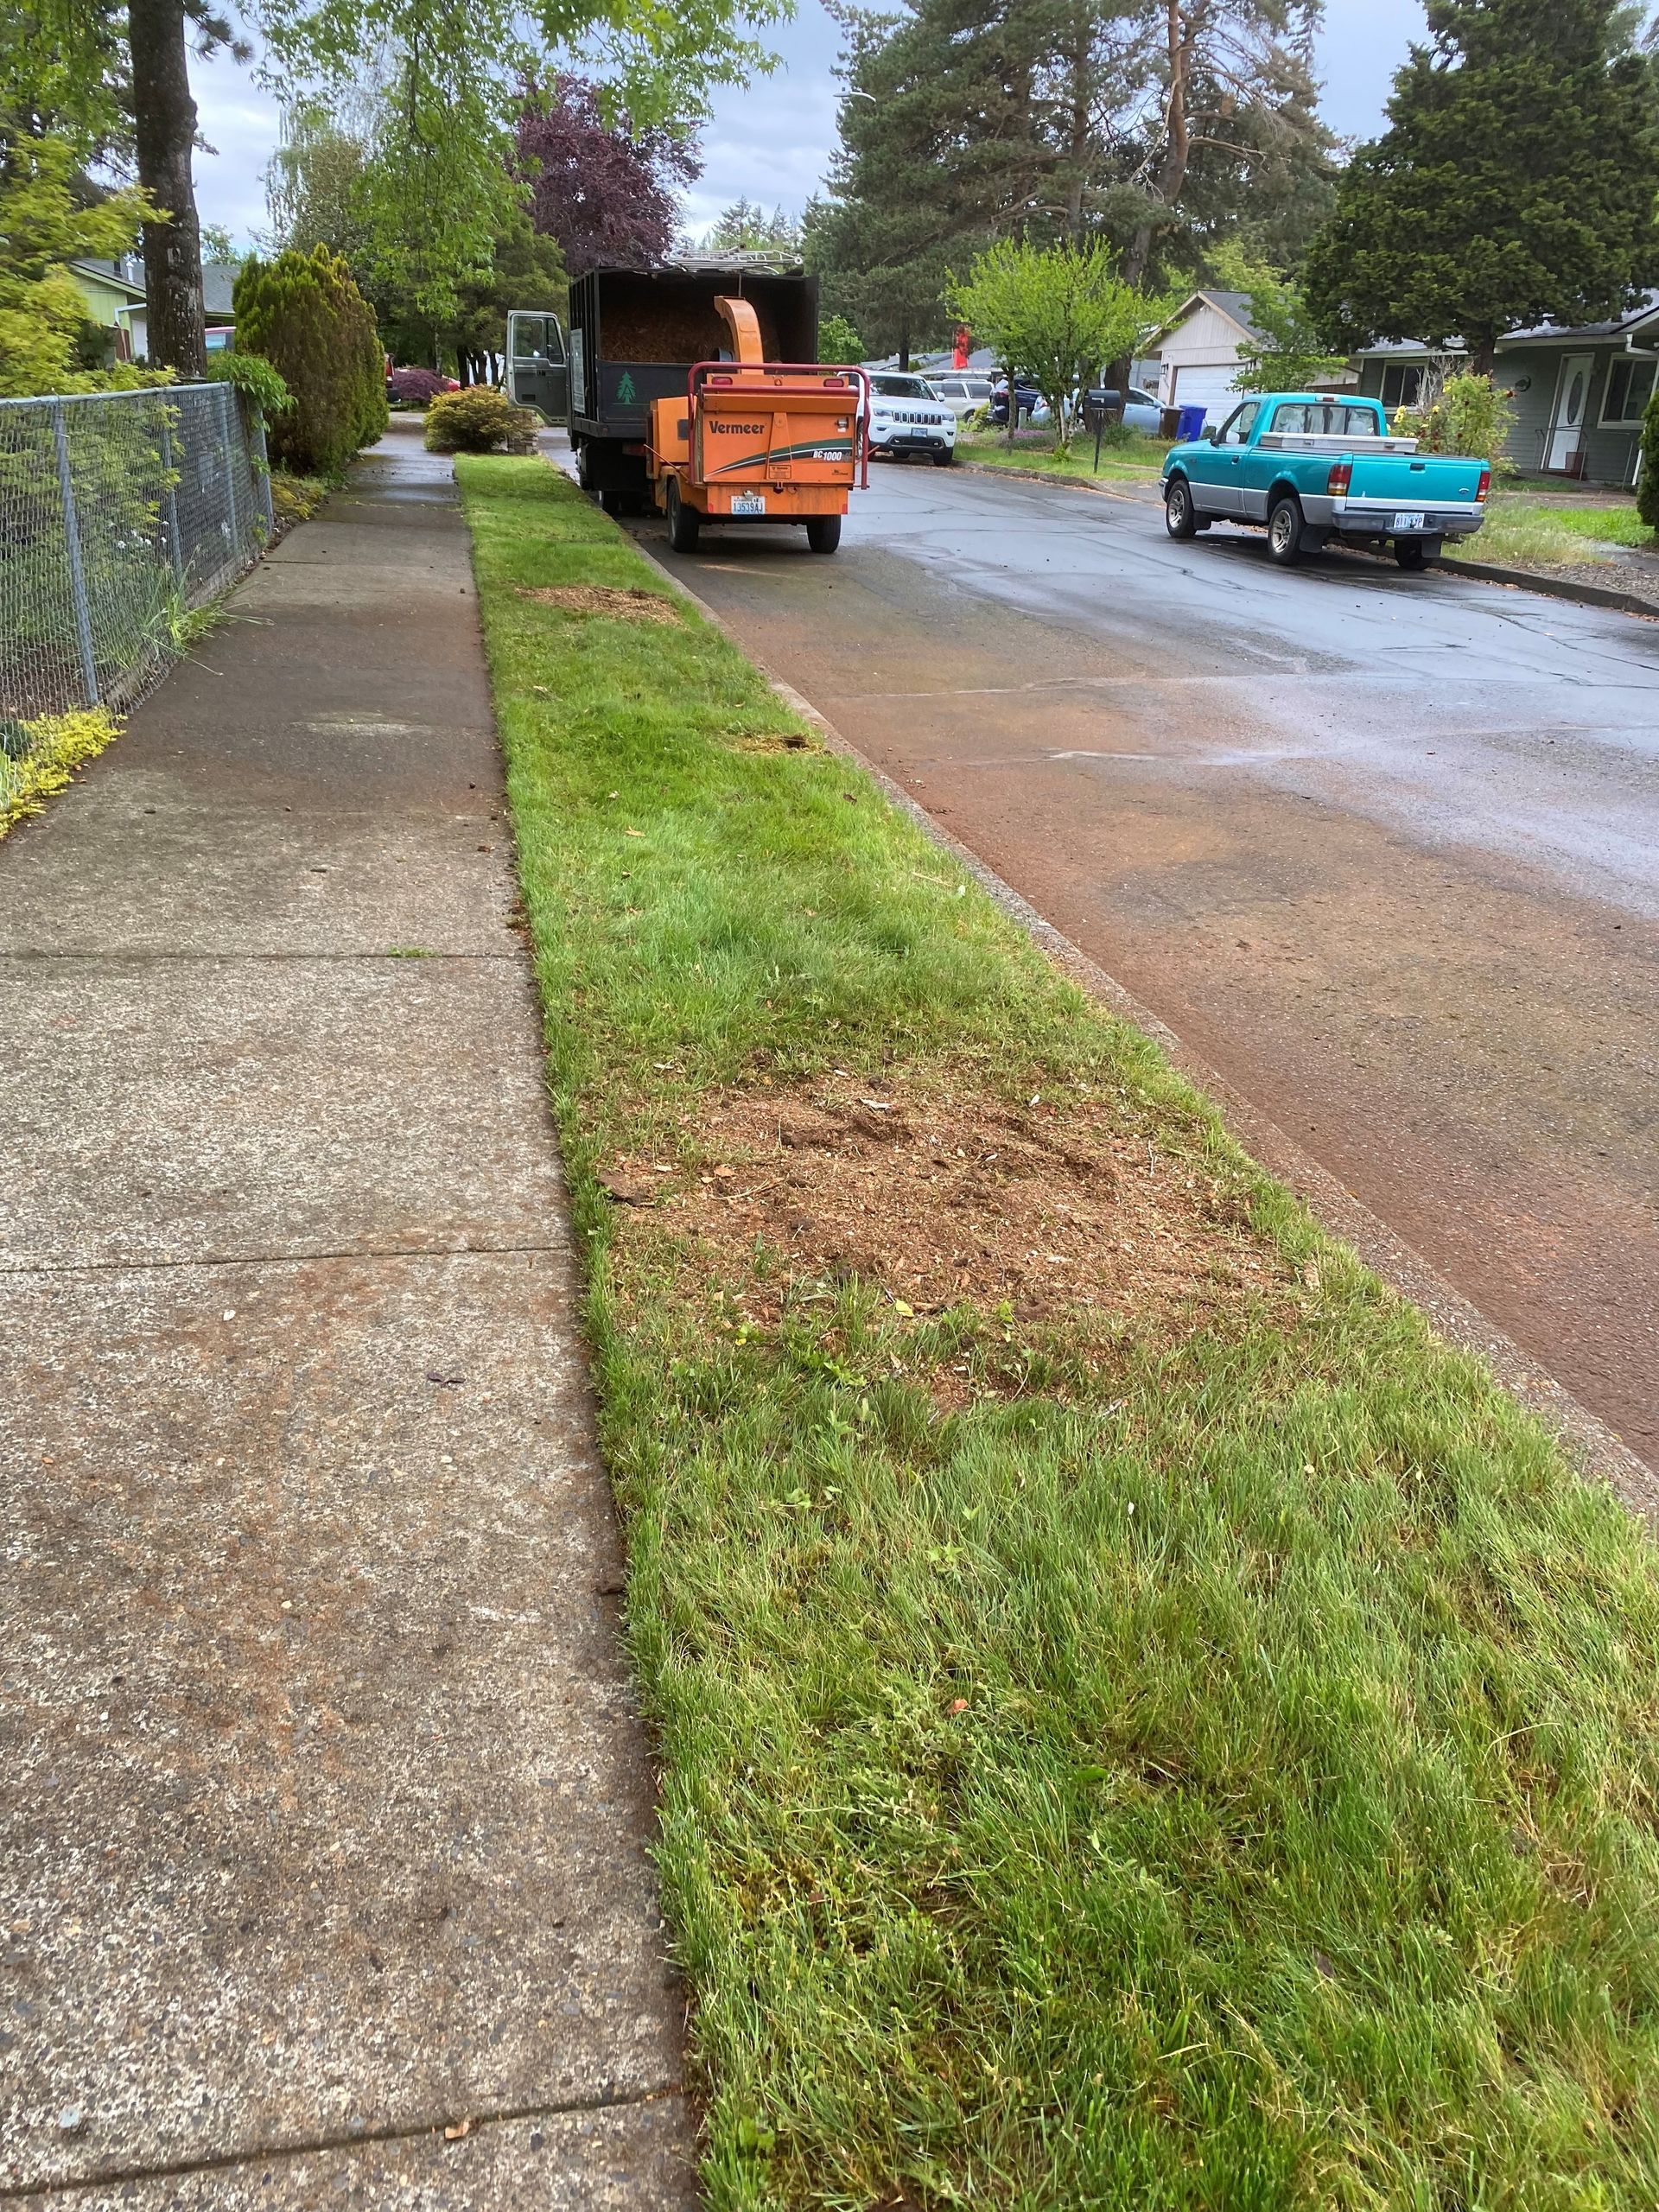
1227	1781
1141	460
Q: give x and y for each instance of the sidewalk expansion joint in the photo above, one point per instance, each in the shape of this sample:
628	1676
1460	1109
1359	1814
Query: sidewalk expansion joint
617	2101
135	1266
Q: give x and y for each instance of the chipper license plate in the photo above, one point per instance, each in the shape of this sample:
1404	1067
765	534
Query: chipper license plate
1410	518
754	503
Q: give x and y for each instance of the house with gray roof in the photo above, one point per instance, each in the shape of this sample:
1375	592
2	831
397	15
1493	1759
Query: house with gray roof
1579	392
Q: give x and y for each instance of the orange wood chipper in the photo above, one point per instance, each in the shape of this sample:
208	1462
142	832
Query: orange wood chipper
758	441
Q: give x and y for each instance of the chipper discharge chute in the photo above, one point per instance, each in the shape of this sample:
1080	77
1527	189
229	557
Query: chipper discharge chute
758	441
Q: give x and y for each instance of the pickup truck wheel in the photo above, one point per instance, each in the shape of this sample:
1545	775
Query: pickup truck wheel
1285	530
684	523
1411	552
823	533
1180	517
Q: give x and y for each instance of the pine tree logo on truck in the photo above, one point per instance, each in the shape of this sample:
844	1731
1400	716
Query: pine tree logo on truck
625	394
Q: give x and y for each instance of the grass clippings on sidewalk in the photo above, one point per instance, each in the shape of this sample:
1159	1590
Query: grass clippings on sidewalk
1141	1725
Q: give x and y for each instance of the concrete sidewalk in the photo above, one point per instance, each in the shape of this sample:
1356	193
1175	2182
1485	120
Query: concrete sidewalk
326	1813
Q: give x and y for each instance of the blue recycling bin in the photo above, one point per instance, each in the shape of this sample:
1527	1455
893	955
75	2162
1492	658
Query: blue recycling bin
1191	425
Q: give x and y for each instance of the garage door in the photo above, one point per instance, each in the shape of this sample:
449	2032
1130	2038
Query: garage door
1205	383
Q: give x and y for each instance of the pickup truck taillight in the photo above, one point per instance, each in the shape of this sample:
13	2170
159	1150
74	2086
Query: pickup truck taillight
1342	475
1483	487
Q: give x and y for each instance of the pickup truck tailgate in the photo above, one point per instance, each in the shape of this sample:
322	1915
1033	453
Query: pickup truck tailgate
1419	481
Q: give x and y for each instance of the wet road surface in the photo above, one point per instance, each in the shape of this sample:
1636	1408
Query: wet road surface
1383	850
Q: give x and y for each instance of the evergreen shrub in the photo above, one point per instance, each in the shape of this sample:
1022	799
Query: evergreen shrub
303	313
479	420
1647	491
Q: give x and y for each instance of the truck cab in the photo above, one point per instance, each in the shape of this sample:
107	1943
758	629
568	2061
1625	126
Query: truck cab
1309	467
538	373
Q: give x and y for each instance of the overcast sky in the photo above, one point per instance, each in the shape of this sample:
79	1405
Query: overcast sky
773	141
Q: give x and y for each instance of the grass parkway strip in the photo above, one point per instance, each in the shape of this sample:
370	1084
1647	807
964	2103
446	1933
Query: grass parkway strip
1142	1725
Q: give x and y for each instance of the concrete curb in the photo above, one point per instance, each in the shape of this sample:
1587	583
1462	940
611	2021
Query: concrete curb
1600	1453
1622	602
1059	483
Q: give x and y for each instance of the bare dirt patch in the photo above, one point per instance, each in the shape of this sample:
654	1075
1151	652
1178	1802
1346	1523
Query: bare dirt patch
632	605
938	1197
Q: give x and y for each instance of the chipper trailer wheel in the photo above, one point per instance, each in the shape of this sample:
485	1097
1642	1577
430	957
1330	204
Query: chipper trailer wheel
823	533
684	523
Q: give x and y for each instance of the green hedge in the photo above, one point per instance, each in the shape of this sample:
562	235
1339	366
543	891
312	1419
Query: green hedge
303	313
1647	495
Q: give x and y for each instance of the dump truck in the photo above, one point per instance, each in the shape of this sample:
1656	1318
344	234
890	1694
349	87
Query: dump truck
695	389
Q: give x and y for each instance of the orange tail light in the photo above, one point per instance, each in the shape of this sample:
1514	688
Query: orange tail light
1484	485
1342	475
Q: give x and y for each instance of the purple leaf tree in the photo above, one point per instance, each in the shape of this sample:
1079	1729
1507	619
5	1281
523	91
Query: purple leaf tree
605	192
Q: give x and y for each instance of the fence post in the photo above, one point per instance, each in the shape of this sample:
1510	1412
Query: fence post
226	400
175	544
261	454
71	548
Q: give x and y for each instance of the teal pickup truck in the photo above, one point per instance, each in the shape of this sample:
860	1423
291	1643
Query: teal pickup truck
1308	468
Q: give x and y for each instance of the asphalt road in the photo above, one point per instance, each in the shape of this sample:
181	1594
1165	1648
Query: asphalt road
1383	850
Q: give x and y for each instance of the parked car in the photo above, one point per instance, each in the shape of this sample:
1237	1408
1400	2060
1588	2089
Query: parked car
961	390
1140	410
1308	469
905	418
1034	408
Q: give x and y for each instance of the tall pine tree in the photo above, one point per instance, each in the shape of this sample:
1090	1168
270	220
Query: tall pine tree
1515	184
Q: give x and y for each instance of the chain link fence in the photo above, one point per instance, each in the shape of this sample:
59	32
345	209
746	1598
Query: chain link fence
119	512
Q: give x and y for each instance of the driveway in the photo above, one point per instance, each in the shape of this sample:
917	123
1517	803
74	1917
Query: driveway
1383	850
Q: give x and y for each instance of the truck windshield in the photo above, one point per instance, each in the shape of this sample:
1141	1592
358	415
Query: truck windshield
1327	419
900	388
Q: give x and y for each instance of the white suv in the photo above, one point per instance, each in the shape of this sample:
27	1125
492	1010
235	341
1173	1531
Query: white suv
962	391
906	417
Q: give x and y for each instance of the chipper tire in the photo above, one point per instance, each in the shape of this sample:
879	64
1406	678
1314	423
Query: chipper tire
684	523
823	533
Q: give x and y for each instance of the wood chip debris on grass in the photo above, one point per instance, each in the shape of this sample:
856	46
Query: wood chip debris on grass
630	604
939	1196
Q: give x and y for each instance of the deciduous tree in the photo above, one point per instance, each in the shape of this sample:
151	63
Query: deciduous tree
602	185
1054	314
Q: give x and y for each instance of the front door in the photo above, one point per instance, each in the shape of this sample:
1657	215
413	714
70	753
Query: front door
1572	399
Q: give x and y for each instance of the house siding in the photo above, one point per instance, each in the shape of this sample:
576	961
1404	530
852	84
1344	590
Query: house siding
1609	455
1206	338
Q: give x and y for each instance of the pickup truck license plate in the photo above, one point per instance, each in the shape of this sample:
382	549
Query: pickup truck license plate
754	503
1410	518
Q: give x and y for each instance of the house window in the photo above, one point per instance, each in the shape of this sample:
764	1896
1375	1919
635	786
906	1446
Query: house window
1402	384
1629	387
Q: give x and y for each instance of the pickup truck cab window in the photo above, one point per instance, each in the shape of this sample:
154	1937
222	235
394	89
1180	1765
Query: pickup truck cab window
1236	429
1303	418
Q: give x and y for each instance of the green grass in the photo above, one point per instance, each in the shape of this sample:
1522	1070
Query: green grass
1217	1772
1543	534
1140	457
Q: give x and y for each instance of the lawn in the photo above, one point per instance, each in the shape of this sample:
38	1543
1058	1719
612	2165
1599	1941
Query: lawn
1139	457
1539	533
1141	1725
